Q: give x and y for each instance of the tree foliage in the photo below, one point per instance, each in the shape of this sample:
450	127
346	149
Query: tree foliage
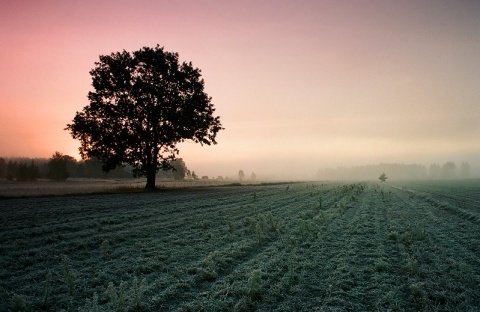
179	169
241	175
449	170
20	171
383	177
3	167
58	166
144	103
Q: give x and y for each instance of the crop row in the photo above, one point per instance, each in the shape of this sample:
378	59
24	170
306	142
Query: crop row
303	246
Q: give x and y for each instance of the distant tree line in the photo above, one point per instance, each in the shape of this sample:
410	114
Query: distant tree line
398	172
449	170
20	171
61	167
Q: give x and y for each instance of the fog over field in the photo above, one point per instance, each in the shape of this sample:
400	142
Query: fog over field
301	87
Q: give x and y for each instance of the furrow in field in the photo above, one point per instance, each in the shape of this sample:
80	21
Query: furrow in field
443	269
353	255
285	247
260	254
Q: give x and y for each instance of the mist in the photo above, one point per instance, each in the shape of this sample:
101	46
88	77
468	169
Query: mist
300	87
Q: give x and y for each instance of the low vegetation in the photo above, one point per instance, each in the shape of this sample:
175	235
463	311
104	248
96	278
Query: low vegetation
277	247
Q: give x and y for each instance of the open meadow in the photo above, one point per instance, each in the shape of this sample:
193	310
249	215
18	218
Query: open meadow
331	246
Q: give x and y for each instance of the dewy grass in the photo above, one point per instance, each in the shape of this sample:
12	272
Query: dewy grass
403	258
69	275
46	295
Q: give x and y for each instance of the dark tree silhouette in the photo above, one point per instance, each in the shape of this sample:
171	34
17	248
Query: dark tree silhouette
180	169
27	172
241	175
57	166
144	103
449	170
33	171
383	177
3	167
11	170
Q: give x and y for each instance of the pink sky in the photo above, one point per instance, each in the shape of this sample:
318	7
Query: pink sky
299	85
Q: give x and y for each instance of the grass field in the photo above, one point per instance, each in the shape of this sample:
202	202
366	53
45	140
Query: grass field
281	247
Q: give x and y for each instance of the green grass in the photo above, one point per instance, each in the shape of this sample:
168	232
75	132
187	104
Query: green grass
321	246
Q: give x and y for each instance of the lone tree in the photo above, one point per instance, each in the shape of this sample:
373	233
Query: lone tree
144	103
179	169
383	177
58	166
241	175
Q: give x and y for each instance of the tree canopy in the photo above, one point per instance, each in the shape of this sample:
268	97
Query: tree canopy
58	166
383	177
144	103
241	175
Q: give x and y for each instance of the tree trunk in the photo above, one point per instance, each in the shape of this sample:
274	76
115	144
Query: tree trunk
151	174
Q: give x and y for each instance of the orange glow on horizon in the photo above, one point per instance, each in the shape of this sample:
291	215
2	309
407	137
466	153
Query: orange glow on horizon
298	86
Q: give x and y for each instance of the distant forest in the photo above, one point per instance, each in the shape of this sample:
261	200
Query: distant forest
61	167
448	170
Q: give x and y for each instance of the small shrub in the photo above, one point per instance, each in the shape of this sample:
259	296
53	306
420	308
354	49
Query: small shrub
259	233
381	266
18	304
117	298
413	267
105	249
261	222
231	226
242	305
208	275
251	222
393	236
91	305
304	228
272	223
46	295
205	224
137	292
255	284
417	292
319	207
291	275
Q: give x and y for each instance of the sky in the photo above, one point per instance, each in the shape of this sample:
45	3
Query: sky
298	85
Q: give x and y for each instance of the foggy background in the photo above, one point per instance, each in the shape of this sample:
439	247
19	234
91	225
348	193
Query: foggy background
300	86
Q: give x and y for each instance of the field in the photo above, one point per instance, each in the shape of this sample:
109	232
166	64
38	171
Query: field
270	247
